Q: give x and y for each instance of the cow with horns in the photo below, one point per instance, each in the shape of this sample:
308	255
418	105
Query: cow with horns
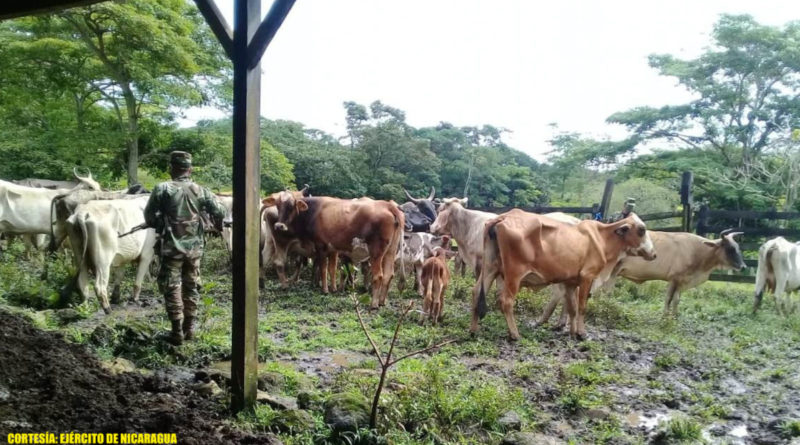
420	213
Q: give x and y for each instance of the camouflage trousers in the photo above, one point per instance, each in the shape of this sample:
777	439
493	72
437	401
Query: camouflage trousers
178	280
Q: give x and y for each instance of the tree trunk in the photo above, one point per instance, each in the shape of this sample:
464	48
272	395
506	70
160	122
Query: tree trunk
132	136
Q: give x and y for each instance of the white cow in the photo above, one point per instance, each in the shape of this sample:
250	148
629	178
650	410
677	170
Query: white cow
465	226
227	232
94	231
26	210
778	271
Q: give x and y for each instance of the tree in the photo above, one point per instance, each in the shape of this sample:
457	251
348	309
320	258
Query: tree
746	89
139	57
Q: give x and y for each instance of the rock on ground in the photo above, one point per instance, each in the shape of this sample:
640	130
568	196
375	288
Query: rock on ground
347	412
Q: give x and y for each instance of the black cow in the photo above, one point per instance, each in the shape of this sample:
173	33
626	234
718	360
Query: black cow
420	213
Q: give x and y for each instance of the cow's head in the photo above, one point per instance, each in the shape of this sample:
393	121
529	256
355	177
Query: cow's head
729	255
425	205
85	182
442	224
635	237
289	205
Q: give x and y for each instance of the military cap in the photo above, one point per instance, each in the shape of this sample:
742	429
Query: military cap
180	159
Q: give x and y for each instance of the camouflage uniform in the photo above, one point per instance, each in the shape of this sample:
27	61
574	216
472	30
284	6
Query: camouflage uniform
627	208
174	209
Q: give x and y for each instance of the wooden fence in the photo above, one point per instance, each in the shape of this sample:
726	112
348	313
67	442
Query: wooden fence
757	226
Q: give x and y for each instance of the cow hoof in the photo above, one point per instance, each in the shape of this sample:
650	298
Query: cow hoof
557	327
581	337
107	309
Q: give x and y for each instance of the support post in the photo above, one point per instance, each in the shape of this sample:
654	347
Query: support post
607	192
702	220
246	191
687	201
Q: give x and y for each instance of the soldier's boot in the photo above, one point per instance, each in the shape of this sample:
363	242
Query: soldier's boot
188	328
176	336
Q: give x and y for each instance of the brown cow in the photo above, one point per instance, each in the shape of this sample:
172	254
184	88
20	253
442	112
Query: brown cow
533	250
435	278
278	248
332	224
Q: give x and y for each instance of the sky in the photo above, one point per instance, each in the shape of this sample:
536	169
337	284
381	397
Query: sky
517	64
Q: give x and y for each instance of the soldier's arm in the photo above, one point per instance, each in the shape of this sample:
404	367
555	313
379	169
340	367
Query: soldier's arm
152	208
212	206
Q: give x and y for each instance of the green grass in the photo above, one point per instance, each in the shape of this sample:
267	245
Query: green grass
637	361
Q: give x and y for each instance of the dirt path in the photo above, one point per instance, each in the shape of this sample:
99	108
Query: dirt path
47	384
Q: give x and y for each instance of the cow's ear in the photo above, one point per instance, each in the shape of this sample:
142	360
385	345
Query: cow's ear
710	243
464	201
445	240
623	229
301	205
268	201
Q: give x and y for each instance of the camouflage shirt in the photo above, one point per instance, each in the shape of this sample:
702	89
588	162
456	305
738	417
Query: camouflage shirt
174	209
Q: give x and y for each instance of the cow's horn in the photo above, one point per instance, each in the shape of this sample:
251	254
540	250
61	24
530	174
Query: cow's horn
304	190
433	193
732	234
725	232
75	172
415	201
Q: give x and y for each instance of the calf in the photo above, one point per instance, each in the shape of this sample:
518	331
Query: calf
94	230
435	278
778	271
535	251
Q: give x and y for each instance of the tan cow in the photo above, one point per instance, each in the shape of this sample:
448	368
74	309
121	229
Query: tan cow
435	278
685	261
525	249
332	224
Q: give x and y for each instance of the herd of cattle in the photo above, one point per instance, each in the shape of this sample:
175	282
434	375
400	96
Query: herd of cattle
575	257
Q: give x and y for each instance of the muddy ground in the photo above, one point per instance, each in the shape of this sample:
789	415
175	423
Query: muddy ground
49	384
717	374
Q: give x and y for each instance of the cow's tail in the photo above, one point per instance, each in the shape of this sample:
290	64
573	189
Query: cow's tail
763	272
489	266
53	245
67	291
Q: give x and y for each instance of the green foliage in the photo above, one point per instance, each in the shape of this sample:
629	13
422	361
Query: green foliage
683	430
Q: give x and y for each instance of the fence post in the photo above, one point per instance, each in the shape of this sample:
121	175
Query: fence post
686	201
606	198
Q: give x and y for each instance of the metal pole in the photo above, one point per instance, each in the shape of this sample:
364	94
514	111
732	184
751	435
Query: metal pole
246	194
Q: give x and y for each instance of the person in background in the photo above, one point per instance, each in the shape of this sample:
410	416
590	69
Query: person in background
174	210
627	208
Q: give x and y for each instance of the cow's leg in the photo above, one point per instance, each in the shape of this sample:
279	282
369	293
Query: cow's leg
427	300
101	286
440	306
508	296
482	286
556	296
571	306
675	300
323	271
378	249
333	266
584	291
141	271
119	273
780	288
671	291
83	282
418	277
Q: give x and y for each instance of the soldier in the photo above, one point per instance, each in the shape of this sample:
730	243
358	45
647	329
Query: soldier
627	208
174	210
